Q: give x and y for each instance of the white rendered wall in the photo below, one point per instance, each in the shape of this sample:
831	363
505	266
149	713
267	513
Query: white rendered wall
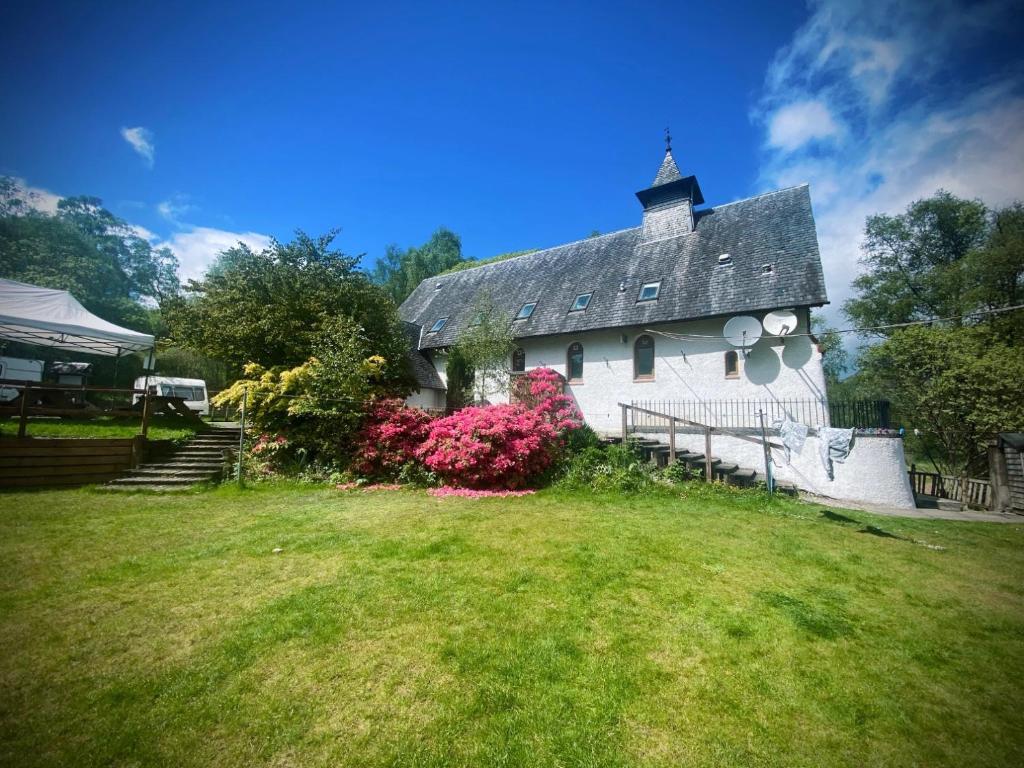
426	398
683	370
874	472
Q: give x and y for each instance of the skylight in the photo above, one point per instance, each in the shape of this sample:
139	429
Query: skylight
526	311
438	325
581	303
649	291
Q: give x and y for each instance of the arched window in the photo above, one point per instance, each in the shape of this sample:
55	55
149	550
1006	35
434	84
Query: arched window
518	360
574	362
732	365
643	358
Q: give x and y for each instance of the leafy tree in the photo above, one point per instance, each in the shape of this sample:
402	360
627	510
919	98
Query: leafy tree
487	345
959	386
319	405
88	251
915	262
460	375
400	271
268	307
835	359
994	273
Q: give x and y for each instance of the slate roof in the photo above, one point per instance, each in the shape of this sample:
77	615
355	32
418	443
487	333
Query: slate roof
668	171
423	370
776	228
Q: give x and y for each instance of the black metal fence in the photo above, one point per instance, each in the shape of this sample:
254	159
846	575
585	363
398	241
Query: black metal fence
744	414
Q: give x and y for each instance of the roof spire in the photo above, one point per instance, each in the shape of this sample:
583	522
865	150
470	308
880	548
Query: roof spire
668	170
668	141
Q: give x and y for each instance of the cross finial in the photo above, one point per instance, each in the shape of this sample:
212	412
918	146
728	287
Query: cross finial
668	140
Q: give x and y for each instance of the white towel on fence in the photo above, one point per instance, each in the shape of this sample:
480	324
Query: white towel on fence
793	435
835	446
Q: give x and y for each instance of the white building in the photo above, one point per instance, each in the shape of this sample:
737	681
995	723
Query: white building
637	316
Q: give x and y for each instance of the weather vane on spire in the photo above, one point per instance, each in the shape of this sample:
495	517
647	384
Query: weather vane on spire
668	140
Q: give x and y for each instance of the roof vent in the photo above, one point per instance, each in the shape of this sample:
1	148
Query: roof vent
437	287
622	286
767	269
725	258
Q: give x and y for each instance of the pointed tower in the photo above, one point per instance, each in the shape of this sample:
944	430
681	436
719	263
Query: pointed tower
668	202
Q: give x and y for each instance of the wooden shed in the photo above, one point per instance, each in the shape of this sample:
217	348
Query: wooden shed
1006	468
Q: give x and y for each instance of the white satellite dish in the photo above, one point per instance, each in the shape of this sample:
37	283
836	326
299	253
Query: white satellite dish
742	331
782	322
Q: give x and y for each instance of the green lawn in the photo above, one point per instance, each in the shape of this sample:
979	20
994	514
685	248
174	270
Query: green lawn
160	427
697	629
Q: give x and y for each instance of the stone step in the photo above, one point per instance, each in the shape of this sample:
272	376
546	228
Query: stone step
211	465
742	477
176	474
135	482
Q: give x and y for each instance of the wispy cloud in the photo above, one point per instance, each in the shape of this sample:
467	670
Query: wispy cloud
197	248
868	103
141	140
175	208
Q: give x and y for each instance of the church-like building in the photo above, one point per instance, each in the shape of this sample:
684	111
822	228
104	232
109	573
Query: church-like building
639	314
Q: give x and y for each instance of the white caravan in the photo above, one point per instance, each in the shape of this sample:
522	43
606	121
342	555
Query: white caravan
18	369
193	390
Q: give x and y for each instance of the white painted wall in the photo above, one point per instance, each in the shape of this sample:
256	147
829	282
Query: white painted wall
426	398
874	472
683	370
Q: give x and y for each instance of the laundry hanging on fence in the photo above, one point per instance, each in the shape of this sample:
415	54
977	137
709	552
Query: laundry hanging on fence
834	446
793	435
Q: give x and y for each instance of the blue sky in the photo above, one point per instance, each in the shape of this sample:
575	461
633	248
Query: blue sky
517	126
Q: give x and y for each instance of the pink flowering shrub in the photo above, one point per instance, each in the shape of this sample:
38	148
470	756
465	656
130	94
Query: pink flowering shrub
389	438
543	390
494	446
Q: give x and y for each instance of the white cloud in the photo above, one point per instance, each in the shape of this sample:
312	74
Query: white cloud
887	72
174	208
141	140
40	199
197	248
793	125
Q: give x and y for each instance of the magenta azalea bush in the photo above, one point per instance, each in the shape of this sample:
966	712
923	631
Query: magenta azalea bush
389	438
482	448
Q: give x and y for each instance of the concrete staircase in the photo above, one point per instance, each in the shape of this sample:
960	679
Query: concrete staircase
723	471
199	460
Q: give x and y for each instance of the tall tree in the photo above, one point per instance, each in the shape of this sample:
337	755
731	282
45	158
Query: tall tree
400	271
88	251
269	306
915	261
486	345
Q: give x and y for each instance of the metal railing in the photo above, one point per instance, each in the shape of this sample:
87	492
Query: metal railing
745	414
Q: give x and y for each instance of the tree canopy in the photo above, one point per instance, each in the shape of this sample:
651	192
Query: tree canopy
85	249
400	271
268	307
955	382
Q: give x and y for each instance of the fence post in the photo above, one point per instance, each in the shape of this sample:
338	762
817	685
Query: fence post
769	480
671	440
241	437
707	454
23	412
625	425
145	413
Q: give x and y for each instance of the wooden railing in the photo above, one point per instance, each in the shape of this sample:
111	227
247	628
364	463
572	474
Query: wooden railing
966	490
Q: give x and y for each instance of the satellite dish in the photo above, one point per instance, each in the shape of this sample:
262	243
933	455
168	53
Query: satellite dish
782	322
742	331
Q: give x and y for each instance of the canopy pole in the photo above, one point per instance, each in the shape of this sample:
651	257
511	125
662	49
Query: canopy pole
145	387
117	359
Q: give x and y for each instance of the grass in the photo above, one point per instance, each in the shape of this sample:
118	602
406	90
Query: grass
160	427
703	628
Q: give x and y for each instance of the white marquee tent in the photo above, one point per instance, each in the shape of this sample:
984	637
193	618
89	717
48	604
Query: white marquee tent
49	318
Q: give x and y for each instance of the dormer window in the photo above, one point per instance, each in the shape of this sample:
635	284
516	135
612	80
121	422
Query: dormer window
526	310
438	325
649	291
581	303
